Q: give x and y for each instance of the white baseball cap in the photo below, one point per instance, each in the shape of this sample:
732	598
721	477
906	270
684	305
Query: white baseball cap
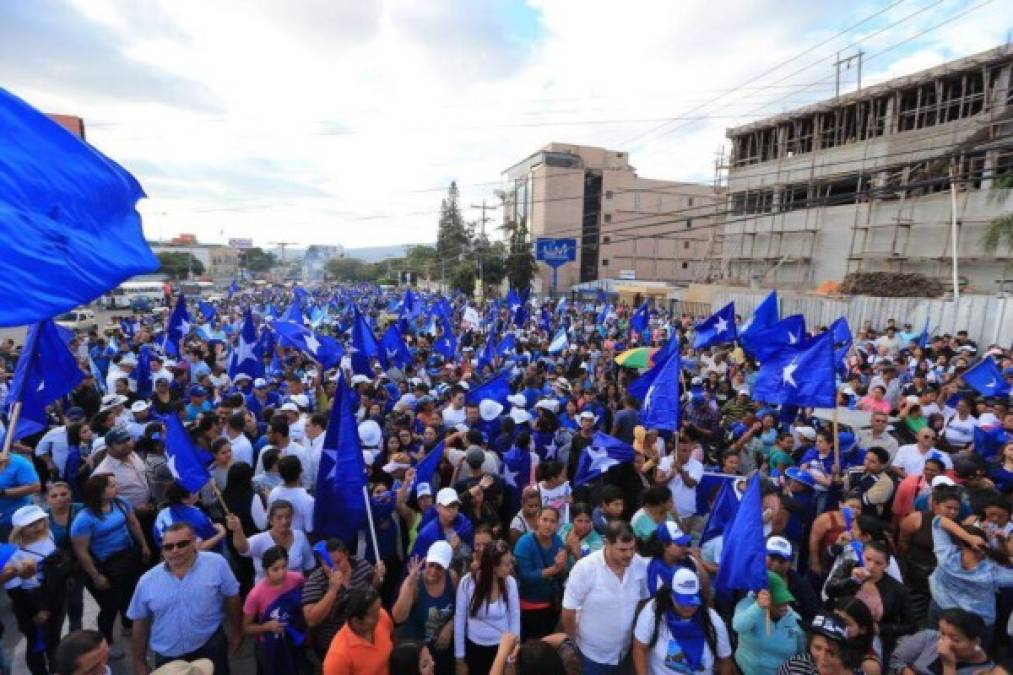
260	383
489	409
27	515
139	406
423	490
517	400
359	379
686	588
370	434
290	407
942	480
440	553
780	547
806	432
447	497
240	377
301	400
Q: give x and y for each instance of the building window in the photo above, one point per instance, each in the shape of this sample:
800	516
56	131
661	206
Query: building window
689	202
604	262
689	223
685	265
608	217
606	239
608	194
685	244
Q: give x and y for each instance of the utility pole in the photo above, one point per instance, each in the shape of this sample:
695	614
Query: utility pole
847	63
481	241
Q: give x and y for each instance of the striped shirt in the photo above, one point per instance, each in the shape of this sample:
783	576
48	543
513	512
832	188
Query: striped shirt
315	589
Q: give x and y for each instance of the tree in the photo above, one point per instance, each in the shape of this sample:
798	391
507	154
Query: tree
421	261
999	230
520	262
180	264
453	236
463	278
351	269
256	260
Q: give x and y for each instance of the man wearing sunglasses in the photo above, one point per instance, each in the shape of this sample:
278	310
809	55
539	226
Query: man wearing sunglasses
182	605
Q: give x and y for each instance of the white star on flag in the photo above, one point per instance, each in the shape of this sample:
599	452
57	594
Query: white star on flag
184	326
600	459
792	338
171	464
312	343
244	352
721	325
551	449
788	375
509	477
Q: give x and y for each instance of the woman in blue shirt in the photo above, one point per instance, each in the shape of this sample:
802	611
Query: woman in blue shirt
181	507
61	511
107	537
541	567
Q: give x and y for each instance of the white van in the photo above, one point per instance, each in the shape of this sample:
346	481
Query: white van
77	319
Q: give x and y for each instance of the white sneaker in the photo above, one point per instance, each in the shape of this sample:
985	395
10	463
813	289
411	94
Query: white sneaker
116	653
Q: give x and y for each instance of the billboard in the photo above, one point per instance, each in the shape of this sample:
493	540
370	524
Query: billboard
555	252
242	243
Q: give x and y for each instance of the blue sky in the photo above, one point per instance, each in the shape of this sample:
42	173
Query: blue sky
340	122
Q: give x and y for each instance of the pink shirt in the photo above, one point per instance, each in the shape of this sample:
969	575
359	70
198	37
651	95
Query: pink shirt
263	594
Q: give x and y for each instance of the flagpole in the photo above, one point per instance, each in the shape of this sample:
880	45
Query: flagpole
837	442
372	527
11	427
218	494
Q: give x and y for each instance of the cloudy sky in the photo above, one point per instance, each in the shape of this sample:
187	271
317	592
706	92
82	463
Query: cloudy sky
342	121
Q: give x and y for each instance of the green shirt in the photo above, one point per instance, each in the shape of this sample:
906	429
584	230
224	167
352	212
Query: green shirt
779	459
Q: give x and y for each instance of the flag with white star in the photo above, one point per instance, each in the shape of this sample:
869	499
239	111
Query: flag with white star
604	453
717	328
803	377
340	508
244	357
177	328
184	459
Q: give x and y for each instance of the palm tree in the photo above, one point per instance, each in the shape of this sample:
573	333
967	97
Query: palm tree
999	230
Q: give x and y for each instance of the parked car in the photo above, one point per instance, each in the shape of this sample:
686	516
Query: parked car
78	319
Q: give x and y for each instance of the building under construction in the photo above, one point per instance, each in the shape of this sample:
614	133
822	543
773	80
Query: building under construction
868	181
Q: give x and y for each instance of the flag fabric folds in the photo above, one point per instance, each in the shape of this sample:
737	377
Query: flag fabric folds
46	370
639	320
764	316
178	327
638	388
803	378
764	343
496	388
393	351
340	509
726	505
187	463
324	349
559	342
244	358
661	405
604	453
986	378
426	469
60	198
717	328
365	347
744	552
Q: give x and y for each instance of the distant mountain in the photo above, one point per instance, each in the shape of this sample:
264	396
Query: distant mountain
377	253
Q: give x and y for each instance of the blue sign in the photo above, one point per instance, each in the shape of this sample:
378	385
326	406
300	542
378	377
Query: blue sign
556	252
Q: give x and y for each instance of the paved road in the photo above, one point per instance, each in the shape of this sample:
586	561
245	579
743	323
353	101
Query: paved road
102	316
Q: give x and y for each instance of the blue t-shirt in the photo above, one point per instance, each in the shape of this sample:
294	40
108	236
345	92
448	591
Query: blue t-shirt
109	532
18	473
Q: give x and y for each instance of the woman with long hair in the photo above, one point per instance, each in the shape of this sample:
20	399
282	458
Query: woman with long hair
955	647
916	550
860	654
541	568
111	548
79	440
62	510
279	533
247	505
676	631
526	519
488	605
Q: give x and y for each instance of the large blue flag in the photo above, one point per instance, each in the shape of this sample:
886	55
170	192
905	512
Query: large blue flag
639	320
324	349
340	508
446	344
764	316
294	312
744	551
986	378
142	374
187	463
426	469
989	442
496	388
365	347
207	310
506	346
393	351
803	378
716	329
842	344
516	474
726	505
244	358
178	327
604	453
69	230
638	388
46	370
764	343
660	409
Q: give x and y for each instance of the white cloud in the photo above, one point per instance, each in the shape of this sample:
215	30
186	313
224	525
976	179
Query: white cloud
326	121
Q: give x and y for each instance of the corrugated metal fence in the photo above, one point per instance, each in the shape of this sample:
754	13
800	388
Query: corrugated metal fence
987	319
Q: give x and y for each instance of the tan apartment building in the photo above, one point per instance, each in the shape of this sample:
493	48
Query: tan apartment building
626	227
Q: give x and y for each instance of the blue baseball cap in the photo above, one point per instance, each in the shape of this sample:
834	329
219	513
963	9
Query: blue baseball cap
198	391
669	533
801	475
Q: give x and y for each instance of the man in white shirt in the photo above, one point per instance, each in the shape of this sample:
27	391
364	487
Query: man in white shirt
277	437
296	422
121	368
890	341
316	427
605	587
454	413
242	449
959	427
293	492
910	459
682	473
878	436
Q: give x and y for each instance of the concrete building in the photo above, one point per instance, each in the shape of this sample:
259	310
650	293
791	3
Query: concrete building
863	182
221	263
626	227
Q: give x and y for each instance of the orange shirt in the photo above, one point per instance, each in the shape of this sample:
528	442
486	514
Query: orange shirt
349	654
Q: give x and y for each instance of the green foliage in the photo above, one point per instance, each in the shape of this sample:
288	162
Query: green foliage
464	278
180	264
453	236
256	260
520	261
352	269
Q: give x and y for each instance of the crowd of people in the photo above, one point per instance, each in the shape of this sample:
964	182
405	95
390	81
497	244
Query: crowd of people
888	543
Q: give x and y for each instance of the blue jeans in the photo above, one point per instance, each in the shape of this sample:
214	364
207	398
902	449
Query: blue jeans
624	667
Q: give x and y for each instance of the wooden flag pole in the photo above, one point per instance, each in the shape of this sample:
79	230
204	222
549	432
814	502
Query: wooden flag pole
218	494
12	425
372	527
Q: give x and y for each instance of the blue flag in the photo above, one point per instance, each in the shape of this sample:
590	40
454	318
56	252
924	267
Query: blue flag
496	388
187	463
143	372
70	230
516	473
638	388
660	409
842	343
717	328
744	552
233	289
446	344
365	347
393	351
803	378
178	327
207	310
280	654
559	342
764	316
986	378
604	453
764	343
488	353
244	358
294	312
726	505
426	469
340	508
639	320
506	346
322	348
46	370
989	442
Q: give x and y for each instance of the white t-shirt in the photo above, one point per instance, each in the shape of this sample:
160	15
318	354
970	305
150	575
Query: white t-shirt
554	497
453	417
910	459
242	449
666	645
300	554
960	432
37	551
684	497
54	443
302	506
